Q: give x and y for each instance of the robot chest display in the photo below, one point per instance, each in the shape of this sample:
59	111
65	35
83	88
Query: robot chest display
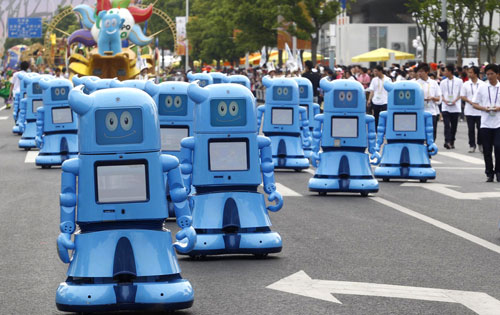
344	131
405	125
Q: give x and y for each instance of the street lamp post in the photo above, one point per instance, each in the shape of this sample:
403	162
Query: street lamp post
187	43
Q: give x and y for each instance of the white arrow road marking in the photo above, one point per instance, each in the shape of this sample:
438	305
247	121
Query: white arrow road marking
3	117
439	224
31	156
449	192
301	284
463	157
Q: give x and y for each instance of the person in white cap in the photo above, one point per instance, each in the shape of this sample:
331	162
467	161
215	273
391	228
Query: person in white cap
143	75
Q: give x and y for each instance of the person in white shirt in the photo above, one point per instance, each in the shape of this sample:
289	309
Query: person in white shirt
378	95
16	83
432	94
472	115
487	100
451	105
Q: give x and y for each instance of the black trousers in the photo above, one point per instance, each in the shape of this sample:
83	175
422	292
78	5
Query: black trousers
376	112
473	123
491	139
450	126
435	119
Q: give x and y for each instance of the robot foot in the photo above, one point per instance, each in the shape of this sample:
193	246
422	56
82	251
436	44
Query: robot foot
257	243
170	295
389	172
299	163
325	185
27	144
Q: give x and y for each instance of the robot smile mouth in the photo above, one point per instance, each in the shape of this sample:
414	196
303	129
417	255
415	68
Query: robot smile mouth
222	121
120	137
111	32
175	110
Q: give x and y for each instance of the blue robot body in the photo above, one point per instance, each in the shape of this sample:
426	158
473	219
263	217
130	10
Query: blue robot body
406	127
312	109
18	97
122	258
228	161
344	132
240	79
285	123
203	78
219	77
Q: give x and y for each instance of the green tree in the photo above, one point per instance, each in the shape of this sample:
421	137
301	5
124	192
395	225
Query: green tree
172	8
461	26
309	17
426	14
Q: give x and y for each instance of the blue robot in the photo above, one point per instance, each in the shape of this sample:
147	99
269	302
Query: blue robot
240	79
312	109
57	125
137	84
226	158
285	123
28	111
204	78
92	83
408	131
219	77
343	131
122	256
16	109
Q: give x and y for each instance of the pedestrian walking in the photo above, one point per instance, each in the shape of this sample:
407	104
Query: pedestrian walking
451	105
432	94
378	95
472	115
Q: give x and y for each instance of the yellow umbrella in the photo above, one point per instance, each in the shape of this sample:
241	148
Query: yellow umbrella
382	54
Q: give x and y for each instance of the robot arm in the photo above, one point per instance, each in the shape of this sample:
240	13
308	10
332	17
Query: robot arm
260	111
306	136
67	199
429	133
15	108
381	130
22	114
40	116
186	238
316	109
267	167
372	137
316	140
186	163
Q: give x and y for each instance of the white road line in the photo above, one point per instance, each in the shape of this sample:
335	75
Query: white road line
31	156
4	117
436	162
458	168
439	224
310	171
3	107
463	157
285	191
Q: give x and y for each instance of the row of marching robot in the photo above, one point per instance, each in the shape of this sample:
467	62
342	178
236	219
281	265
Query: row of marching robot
193	151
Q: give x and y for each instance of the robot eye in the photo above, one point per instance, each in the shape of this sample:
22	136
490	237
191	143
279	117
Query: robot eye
177	101
126	121
342	96
168	101
63	91
349	96
280	91
111	121
401	95
113	22
107	23
285	91
56	91
203	83
233	108
408	95
222	108
301	89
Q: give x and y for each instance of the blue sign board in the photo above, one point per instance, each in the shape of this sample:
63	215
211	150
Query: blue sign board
24	27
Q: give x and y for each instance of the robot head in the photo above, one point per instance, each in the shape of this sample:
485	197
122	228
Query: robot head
171	99
223	108
305	90
55	91
240	79
343	96
219	77
138	84
24	82
110	22
116	121
404	95
204	78
281	91
83	80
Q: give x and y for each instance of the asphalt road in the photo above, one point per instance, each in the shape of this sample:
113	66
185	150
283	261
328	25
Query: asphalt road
334	237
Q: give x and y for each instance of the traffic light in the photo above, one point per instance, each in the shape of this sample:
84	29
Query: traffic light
443	30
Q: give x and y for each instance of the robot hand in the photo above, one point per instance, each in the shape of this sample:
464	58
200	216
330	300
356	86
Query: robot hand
275	196
314	159
306	142
375	156
64	243
39	142
433	149
186	238
21	127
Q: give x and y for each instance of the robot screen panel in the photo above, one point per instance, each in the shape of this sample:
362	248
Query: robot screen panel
59	93
62	115
202	83
344	127
282	116
172	105
345	99
303	91
404	97
36	105
37	90
217	80
171	138
282	93
306	107
228	155
117	183
405	122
